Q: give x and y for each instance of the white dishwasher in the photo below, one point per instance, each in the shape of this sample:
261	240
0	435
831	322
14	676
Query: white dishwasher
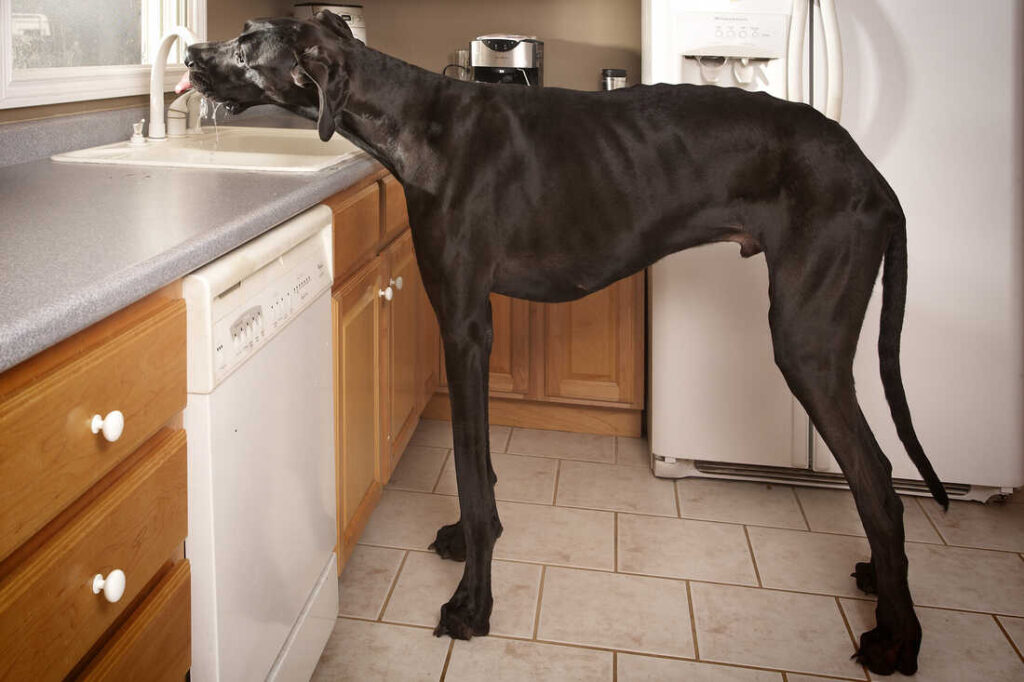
261	478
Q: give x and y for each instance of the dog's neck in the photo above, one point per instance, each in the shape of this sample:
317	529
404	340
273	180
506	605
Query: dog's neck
383	96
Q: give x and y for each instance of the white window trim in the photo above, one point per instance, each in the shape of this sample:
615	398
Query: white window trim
79	83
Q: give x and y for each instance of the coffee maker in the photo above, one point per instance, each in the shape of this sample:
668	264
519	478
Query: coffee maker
502	58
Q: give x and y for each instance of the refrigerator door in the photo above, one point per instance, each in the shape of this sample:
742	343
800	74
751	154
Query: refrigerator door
716	393
932	95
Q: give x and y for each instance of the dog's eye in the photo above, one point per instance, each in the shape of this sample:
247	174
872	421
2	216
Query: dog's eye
239	57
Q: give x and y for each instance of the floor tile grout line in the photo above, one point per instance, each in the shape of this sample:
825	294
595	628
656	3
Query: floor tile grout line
615	449
849	632
675	493
803	513
753	559
1013	645
558	474
440	474
931	521
693	621
391	588
615	550
615	666
540	596
447	660
508	439
588	647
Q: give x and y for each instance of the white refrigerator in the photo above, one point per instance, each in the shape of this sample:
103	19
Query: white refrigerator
932	92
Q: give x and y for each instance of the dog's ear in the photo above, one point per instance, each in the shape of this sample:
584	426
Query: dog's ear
311	67
333	22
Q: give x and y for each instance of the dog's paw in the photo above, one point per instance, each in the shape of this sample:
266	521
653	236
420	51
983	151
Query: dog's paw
450	542
459	620
883	653
864	573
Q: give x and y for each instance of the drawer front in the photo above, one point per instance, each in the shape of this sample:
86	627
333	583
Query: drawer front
49	615
154	643
356	229
49	455
396	214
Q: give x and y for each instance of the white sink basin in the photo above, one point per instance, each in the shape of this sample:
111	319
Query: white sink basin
282	150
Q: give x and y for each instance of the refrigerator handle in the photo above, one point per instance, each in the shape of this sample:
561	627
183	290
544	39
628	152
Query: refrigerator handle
833	59
795	54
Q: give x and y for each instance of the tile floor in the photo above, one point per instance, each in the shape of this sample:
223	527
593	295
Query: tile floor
606	573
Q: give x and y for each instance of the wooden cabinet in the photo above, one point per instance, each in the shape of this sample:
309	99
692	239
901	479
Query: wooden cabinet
77	504
357	323
575	366
594	346
385	341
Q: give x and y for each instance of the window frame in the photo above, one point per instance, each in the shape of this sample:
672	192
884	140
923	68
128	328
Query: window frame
82	83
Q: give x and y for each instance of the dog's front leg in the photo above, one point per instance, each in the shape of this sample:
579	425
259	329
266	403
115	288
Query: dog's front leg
467	349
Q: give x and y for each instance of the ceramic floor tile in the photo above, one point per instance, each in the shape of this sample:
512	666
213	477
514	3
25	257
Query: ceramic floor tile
632	452
750	626
563	445
428	581
616	488
757	504
808	562
502	660
797	677
520	478
364	584
970	579
833	511
1015	628
955	646
623	612
633	668
985	526
409	520
681	548
437	433
556	535
418	469
366	652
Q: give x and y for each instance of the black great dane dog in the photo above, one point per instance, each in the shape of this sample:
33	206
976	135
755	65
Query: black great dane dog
549	194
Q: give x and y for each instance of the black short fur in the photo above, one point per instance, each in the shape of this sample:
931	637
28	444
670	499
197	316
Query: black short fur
550	194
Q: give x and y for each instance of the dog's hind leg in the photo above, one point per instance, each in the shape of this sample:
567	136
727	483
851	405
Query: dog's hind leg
467	334
818	301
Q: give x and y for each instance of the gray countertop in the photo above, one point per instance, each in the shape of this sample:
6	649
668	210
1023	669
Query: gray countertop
79	242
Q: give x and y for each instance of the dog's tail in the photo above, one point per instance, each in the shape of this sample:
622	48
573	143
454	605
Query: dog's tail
894	301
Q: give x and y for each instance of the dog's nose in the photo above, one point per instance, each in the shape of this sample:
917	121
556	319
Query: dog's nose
190	56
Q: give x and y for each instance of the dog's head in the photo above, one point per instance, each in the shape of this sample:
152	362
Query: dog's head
288	62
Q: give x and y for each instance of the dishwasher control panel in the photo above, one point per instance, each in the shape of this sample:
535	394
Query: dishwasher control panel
237	304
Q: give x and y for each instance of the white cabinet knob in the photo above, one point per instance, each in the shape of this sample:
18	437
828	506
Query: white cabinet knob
112	586
397	283
386	294
112	425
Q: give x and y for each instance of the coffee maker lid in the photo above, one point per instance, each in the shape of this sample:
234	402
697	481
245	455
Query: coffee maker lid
508	36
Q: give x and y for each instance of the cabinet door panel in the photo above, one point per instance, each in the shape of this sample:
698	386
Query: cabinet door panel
510	349
403	315
593	345
357	329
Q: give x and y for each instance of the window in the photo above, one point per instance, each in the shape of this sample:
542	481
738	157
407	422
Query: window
66	50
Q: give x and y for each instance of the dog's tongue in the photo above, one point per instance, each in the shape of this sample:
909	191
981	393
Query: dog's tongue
184	84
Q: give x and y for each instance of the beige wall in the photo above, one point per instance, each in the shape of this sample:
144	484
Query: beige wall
224	18
581	37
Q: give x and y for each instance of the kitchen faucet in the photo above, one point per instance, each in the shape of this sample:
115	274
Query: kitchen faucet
181	106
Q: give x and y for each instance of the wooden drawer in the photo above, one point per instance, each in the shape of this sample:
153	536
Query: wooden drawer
49	455
49	615
356	228
396	214
154	644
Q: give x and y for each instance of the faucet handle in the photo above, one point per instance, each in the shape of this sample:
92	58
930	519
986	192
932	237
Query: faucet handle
137	137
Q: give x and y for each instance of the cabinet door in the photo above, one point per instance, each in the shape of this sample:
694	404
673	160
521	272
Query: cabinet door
357	324
510	349
428	364
594	346
403	338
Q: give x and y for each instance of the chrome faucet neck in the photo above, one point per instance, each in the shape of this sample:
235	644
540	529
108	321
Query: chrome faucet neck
157	127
